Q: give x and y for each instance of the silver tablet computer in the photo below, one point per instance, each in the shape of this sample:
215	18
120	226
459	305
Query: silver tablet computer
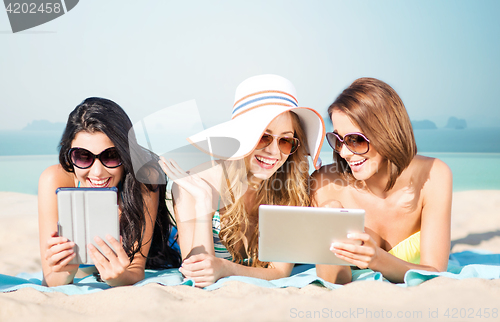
85	213
305	234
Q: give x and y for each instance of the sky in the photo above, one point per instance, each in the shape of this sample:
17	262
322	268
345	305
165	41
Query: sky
442	57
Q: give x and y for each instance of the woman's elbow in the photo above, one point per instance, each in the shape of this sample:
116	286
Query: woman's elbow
334	274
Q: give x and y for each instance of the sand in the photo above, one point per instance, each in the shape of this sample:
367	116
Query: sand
475	225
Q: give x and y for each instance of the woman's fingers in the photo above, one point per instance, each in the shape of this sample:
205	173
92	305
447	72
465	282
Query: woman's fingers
360	255
204	269
363	237
109	263
107	256
56	241
363	256
120	254
172	169
194	258
195	271
194	265
63	265
181	177
362	250
55	258
57	248
200	278
99	260
165	167
59	253
177	167
56	251
357	262
105	249
168	169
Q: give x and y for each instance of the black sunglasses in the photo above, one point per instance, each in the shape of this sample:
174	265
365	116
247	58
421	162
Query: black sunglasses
84	159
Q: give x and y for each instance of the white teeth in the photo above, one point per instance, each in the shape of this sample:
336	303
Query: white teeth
99	182
357	163
266	161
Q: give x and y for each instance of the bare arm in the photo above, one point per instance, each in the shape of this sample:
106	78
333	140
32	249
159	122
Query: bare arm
55	252
436	218
194	223
324	195
193	198
206	269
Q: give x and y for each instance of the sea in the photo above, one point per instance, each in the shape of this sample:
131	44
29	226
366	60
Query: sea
472	154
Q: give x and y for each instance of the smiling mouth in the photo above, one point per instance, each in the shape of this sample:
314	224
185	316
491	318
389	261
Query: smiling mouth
265	162
357	163
99	183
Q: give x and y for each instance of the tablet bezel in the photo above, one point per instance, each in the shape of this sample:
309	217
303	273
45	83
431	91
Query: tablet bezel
304	234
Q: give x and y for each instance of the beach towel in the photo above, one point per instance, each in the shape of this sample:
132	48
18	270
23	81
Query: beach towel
88	284
468	264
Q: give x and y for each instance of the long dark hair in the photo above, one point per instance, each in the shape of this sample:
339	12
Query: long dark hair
105	116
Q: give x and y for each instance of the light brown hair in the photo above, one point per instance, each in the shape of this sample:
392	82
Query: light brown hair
379	112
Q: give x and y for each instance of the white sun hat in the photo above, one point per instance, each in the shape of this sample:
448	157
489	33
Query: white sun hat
257	102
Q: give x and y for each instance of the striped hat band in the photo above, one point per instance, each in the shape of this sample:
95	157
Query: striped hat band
263	98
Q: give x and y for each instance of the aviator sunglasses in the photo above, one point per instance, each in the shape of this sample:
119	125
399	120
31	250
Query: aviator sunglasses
84	159
357	143
287	145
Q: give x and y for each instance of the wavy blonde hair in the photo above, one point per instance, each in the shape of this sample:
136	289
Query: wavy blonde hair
289	186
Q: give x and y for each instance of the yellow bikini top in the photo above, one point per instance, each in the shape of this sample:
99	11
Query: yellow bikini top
408	249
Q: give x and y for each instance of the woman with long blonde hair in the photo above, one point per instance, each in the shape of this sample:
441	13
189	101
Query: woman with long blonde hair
262	159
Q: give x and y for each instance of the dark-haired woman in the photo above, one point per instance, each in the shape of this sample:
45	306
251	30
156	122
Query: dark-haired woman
407	197
96	151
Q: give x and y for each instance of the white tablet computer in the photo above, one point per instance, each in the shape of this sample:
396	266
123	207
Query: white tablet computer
305	234
85	213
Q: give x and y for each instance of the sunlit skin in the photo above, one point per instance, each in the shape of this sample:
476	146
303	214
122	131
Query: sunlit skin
196	200
373	168
271	158
419	201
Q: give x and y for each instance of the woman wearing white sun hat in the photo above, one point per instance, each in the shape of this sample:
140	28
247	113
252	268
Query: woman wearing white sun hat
262	154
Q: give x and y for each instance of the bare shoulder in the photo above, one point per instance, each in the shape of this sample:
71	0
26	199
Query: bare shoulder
52	178
441	173
433	173
56	176
436	167
325	176
326	186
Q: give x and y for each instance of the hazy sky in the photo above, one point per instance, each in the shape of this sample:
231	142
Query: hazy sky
443	57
